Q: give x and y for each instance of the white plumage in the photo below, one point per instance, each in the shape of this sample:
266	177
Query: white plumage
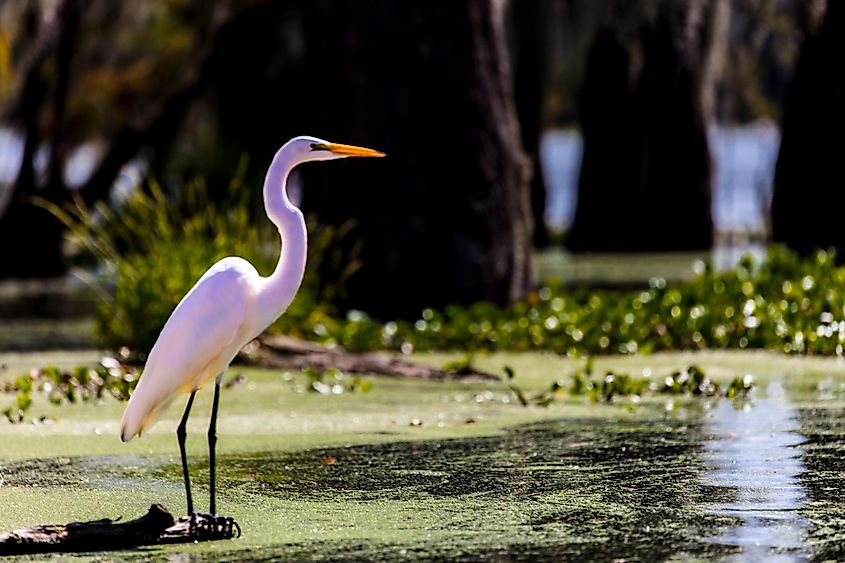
230	305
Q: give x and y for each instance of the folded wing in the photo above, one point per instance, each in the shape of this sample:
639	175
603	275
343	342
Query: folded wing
198	333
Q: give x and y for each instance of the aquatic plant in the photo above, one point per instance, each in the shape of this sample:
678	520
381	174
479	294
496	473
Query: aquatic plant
691	382
331	381
112	377
786	302
155	247
109	377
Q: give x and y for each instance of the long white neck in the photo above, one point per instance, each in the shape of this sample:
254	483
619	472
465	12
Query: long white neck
279	289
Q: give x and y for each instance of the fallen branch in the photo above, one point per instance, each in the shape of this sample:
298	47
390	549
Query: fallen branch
283	352
157	526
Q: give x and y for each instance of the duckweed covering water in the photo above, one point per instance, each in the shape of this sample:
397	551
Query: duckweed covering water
579	488
348	478
665	486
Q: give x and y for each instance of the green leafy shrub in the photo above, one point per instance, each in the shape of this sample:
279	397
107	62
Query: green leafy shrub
787	302
154	249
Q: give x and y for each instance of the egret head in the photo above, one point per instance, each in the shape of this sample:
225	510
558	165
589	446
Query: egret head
307	149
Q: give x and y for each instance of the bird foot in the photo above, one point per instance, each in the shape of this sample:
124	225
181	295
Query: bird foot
209	527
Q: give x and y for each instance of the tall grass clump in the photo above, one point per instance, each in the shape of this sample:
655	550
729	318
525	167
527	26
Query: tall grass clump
152	248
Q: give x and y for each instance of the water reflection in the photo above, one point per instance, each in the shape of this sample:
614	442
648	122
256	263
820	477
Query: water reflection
753	455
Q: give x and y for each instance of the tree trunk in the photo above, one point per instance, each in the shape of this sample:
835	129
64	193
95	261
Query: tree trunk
645	174
606	192
446	217
530	45
674	196
809	178
65	50
714	55
30	237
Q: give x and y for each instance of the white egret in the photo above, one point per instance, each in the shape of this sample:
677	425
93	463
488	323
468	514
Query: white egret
229	306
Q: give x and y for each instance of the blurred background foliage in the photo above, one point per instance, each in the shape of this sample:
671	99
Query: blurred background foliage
785	302
129	121
156	248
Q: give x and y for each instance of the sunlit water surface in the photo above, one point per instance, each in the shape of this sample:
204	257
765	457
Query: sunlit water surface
755	453
704	479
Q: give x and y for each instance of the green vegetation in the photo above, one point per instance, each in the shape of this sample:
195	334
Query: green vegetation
332	381
118	380
690	382
786	303
111	377
82	383
353	477
153	251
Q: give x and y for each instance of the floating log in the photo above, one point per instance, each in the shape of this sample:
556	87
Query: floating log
155	527
283	352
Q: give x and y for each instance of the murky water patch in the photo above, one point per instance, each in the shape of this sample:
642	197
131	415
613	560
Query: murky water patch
77	472
572	488
708	481
542	458
824	479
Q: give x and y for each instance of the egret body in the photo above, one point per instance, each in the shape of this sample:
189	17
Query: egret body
229	306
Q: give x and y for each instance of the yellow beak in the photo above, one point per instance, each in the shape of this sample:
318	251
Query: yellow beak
347	150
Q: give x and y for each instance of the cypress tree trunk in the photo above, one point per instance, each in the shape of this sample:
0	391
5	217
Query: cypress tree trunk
446	217
674	199
809	190
645	175
530	45
610	164
30	237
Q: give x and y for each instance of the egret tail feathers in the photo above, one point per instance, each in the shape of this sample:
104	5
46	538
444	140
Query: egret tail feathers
138	417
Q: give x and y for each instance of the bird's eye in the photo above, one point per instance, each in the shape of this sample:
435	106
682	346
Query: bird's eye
319	147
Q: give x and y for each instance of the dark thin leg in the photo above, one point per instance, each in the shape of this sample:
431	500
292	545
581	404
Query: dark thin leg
212	443
181	433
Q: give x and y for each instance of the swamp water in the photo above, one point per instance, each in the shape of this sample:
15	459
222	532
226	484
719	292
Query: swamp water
695	479
724	480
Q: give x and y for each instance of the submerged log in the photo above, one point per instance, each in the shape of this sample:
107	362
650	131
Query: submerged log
157	526
283	352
